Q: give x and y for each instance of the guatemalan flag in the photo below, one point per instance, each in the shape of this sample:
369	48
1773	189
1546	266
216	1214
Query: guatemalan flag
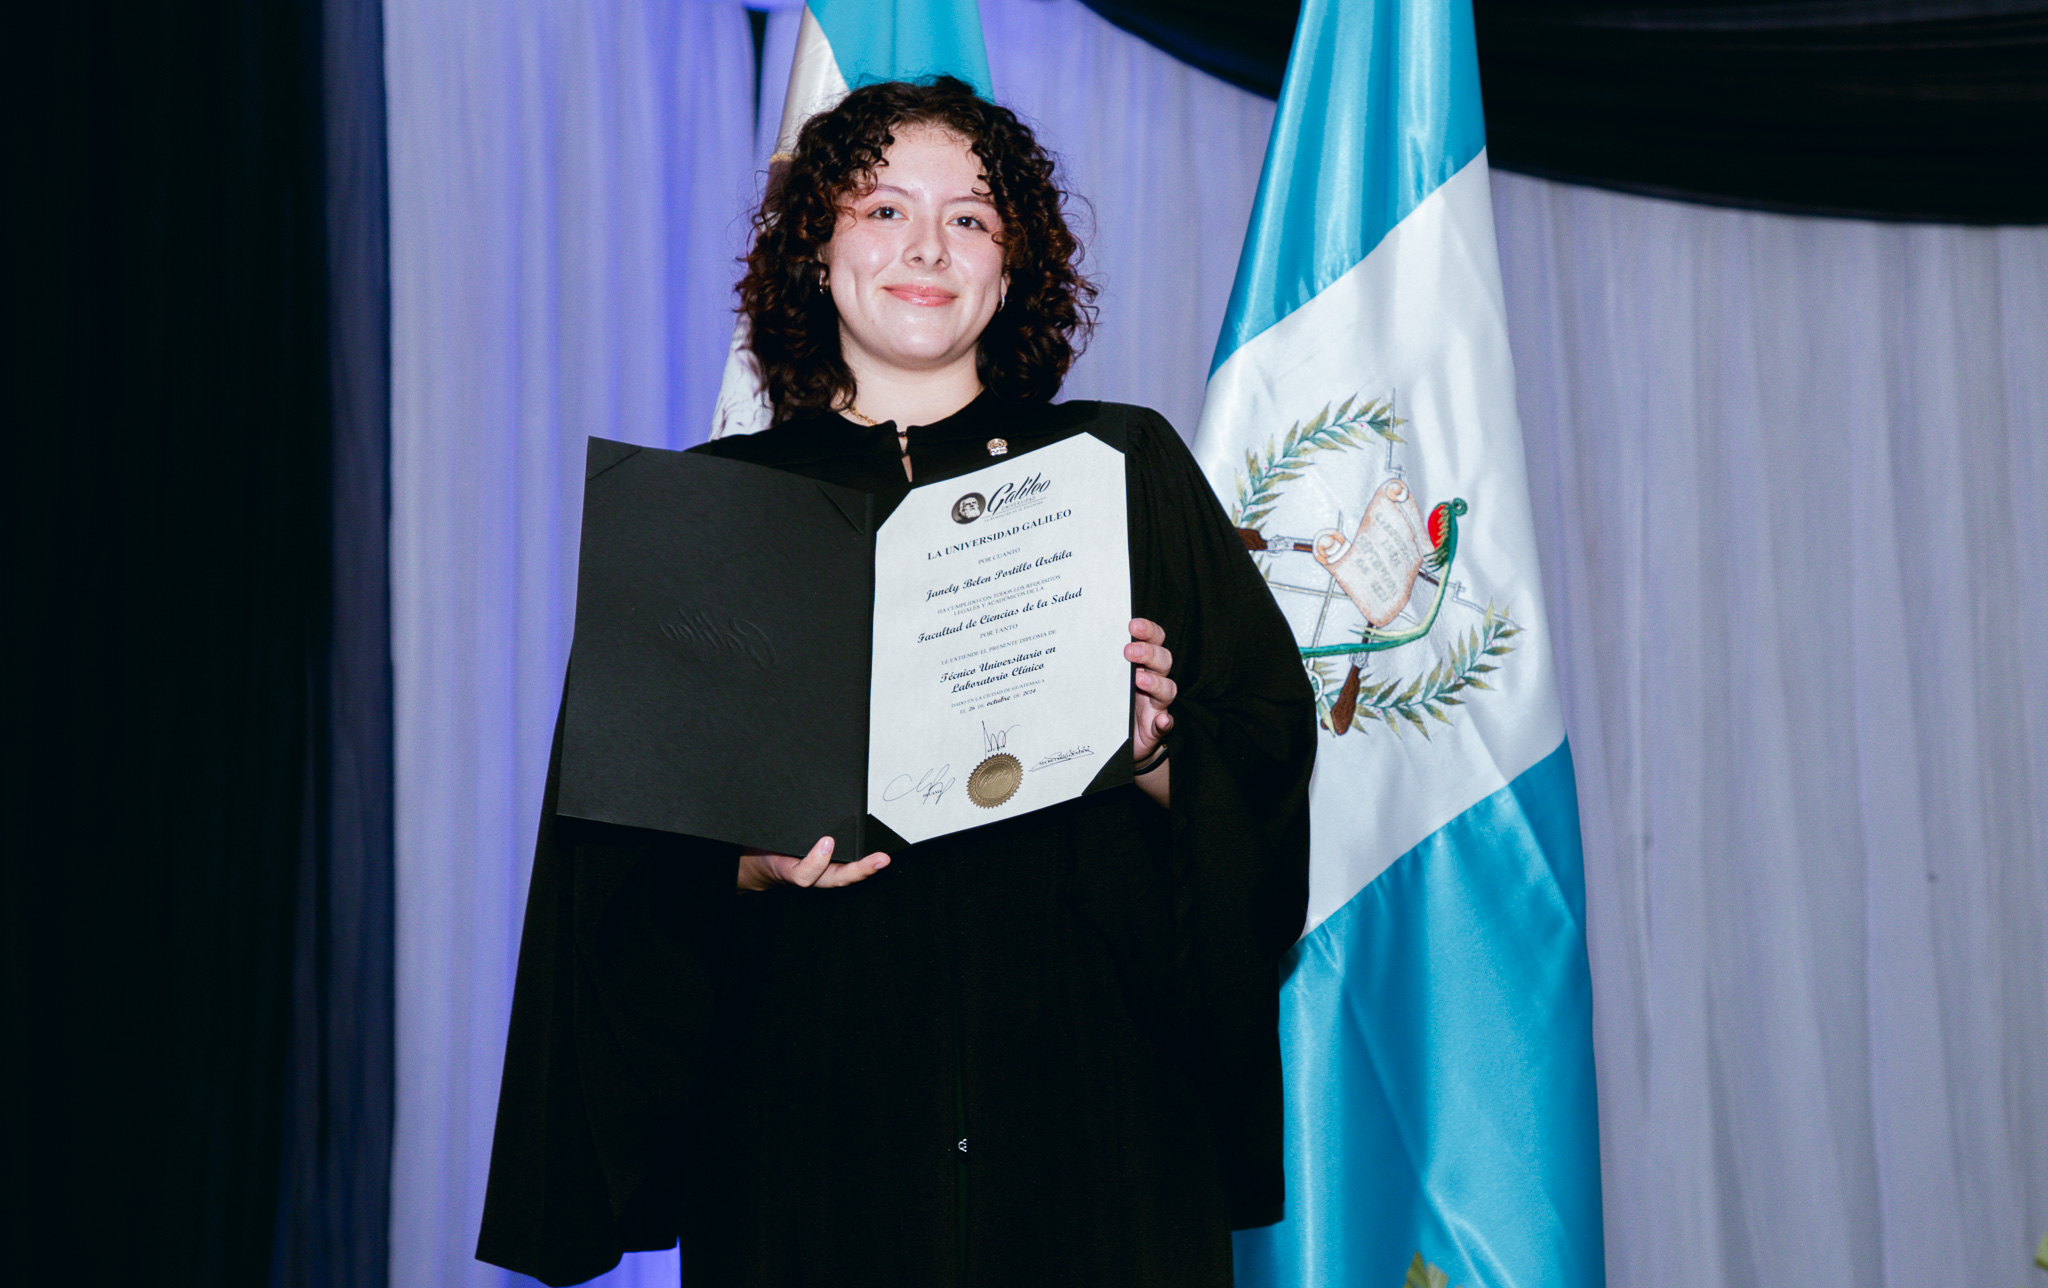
842	45
1360	425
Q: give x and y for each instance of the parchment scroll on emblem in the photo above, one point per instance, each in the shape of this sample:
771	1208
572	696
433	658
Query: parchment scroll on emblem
1377	567
995	780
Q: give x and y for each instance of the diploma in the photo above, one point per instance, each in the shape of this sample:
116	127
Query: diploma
765	659
1002	605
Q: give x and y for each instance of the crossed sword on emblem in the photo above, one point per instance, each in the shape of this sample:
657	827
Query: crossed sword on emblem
1377	570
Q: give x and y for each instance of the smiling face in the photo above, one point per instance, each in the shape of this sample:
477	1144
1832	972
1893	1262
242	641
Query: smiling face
915	269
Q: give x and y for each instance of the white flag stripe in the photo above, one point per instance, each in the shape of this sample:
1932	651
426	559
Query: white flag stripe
742	400
1420	320
815	85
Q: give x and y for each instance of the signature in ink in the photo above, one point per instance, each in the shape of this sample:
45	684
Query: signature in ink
1062	757
928	787
993	741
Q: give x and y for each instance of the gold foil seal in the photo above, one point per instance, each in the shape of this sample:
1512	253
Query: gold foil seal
995	780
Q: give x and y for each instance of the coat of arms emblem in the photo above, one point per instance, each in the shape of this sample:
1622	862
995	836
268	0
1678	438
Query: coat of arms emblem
1351	589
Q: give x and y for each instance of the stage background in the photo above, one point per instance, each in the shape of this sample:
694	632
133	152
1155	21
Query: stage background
1786	474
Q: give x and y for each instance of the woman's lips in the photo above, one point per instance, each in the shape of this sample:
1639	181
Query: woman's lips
928	296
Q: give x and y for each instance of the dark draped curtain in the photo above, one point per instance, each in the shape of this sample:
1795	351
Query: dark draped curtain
1895	109
334	1207
197	922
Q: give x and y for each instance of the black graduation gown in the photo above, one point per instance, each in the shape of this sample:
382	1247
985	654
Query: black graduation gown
1038	1053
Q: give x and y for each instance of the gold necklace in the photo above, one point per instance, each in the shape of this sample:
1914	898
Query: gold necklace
866	419
902	432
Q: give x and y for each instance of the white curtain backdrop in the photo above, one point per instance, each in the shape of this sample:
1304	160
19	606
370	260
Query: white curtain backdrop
565	180
1791	484
1786	476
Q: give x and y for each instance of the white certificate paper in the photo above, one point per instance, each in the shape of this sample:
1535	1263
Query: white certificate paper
1002	606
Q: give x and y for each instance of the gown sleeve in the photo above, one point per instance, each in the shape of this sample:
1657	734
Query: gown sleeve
1242	749
620	999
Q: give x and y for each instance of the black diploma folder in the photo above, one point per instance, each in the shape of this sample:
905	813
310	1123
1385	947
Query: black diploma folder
705	697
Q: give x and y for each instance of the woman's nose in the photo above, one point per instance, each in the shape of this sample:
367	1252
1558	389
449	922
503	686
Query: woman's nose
927	248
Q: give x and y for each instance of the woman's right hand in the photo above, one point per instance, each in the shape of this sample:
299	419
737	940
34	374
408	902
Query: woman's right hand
815	870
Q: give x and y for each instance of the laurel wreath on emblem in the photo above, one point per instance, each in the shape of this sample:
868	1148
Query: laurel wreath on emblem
1258	488
1376	570
1425	694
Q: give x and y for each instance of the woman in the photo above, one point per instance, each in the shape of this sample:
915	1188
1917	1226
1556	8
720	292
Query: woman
1036	1053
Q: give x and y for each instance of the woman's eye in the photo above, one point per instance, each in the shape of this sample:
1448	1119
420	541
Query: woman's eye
969	221
883	212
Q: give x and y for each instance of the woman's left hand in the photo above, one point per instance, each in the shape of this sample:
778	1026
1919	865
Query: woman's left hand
1150	718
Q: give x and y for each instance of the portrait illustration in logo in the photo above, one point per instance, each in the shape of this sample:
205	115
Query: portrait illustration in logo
968	508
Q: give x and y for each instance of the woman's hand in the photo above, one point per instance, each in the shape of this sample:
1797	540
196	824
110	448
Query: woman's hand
815	870
1150	718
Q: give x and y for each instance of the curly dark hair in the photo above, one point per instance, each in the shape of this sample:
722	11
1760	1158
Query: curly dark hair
1028	346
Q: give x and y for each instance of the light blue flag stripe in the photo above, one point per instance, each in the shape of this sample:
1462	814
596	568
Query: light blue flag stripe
1437	1035
905	40
1380	106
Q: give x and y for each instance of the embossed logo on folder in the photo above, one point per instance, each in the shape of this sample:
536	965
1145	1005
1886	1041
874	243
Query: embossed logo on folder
707	633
